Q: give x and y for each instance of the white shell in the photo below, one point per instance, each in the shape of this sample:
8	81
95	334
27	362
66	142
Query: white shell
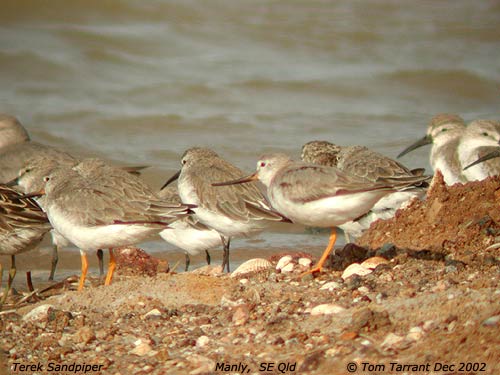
288	268
327	309
283	262
373	262
306	262
355	269
252	266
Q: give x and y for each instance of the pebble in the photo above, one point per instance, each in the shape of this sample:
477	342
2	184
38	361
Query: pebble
38	314
305	262
203	364
327	309
332	285
84	335
429	325
155	313
202	341
142	348
394	342
373	262
415	334
492	321
241	315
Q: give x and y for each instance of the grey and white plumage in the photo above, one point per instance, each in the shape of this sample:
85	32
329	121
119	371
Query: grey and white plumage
443	132
362	162
233	211
317	195
480	138
97	206
188	233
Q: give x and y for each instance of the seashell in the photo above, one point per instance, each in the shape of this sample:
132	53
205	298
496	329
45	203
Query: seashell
305	262
355	269
252	266
288	268
283	262
373	262
332	285
327	309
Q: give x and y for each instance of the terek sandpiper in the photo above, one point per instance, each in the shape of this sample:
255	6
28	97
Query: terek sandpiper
16	149
233	211
22	227
444	132
188	233
481	137
317	195
97	206
362	162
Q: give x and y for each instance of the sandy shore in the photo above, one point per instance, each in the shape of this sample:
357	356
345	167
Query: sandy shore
432	303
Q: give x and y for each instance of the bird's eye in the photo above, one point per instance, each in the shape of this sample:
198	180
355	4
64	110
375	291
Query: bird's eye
46	178
485	134
444	129
262	164
183	161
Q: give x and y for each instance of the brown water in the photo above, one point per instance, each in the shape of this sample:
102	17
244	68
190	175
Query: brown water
141	81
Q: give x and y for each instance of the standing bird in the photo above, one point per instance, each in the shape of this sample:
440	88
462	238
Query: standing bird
22	227
317	195
362	162
16	149
444	132
233	211
97	206
480	138
188	233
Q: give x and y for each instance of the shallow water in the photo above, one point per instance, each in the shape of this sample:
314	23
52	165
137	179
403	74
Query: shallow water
139	82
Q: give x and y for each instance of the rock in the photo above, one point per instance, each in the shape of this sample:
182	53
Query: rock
305	262
373	262
203	364
84	335
202	341
493	321
415	334
332	285
369	320
327	309
142	348
395	342
153	314
355	269
241	315
39	314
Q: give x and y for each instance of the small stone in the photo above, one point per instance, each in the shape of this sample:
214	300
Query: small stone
202	341
39	314
327	309
153	314
84	335
305	262
203	364
393	341
355	269
142	348
429	325
332	285
241	315
493	321
363	290
348	336
415	334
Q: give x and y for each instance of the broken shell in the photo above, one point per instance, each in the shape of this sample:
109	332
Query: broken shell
252	266
355	269
305	262
288	268
373	262
283	262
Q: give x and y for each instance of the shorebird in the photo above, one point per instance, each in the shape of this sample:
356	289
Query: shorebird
481	137
317	195
233	211
16	149
97	206
362	162
188	233
22	227
444	132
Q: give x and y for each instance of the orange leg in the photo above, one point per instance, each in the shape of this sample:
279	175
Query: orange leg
111	267
85	267
319	266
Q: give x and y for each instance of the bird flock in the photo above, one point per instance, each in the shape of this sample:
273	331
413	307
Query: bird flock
95	206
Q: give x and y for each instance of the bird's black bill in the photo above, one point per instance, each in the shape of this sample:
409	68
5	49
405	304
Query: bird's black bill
491	155
171	179
421	142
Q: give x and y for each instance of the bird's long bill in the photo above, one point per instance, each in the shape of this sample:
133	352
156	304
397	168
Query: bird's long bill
421	142
34	194
171	179
491	155
13	182
252	177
